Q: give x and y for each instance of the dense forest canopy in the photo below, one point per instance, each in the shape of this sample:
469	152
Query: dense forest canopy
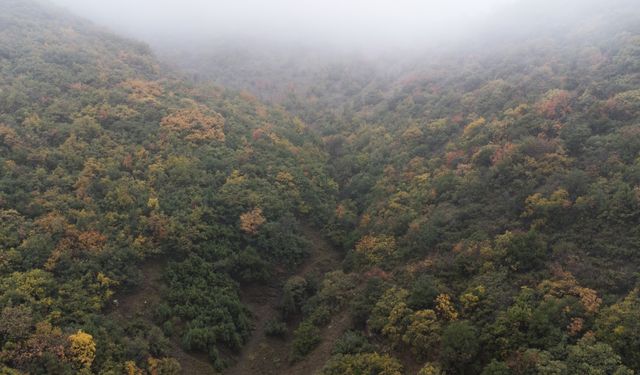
107	161
470	210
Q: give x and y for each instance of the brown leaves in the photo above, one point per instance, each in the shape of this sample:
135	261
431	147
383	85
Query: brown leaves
47	340
92	169
158	224
503	152
8	136
76	243
566	284
575	326
251	221
195	124
555	104
142	91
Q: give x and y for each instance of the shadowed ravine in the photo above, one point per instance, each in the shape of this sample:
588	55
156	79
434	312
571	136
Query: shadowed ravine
269	356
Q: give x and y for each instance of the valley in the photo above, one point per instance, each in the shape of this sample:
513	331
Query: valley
251	207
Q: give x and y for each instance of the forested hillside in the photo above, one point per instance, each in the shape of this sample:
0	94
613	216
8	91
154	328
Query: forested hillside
498	206
108	162
489	201
484	203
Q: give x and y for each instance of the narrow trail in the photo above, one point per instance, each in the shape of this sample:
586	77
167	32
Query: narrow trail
264	355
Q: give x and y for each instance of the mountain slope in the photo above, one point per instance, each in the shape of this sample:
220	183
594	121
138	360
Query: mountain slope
108	161
497	197
490	197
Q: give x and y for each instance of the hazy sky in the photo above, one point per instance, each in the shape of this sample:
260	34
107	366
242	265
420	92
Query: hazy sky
336	21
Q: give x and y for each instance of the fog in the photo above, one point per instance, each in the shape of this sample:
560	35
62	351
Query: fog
368	23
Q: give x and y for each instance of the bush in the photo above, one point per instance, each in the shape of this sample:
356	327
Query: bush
275	328
352	342
321	316
167	328
305	338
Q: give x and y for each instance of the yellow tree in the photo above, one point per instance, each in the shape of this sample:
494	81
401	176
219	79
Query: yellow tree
82	348
382	310
130	368
376	249
251	221
397	322
423	334
445	308
196	124
431	369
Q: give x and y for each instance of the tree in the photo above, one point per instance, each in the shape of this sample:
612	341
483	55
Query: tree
131	368
522	251
391	298
352	342
431	368
82	348
496	368
295	292
423	334
197	124
445	308
42	352
619	326
376	249
251	221
423	293
16	322
555	104
548	209
460	346
593	358
397	322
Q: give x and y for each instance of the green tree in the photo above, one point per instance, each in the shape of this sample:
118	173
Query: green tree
460	346
594	358
619	326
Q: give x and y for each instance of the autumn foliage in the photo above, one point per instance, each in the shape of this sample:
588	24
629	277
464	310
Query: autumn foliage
195	124
476	213
251	221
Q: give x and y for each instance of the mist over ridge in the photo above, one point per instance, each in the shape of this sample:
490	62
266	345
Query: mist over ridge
353	23
381	28
319	187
